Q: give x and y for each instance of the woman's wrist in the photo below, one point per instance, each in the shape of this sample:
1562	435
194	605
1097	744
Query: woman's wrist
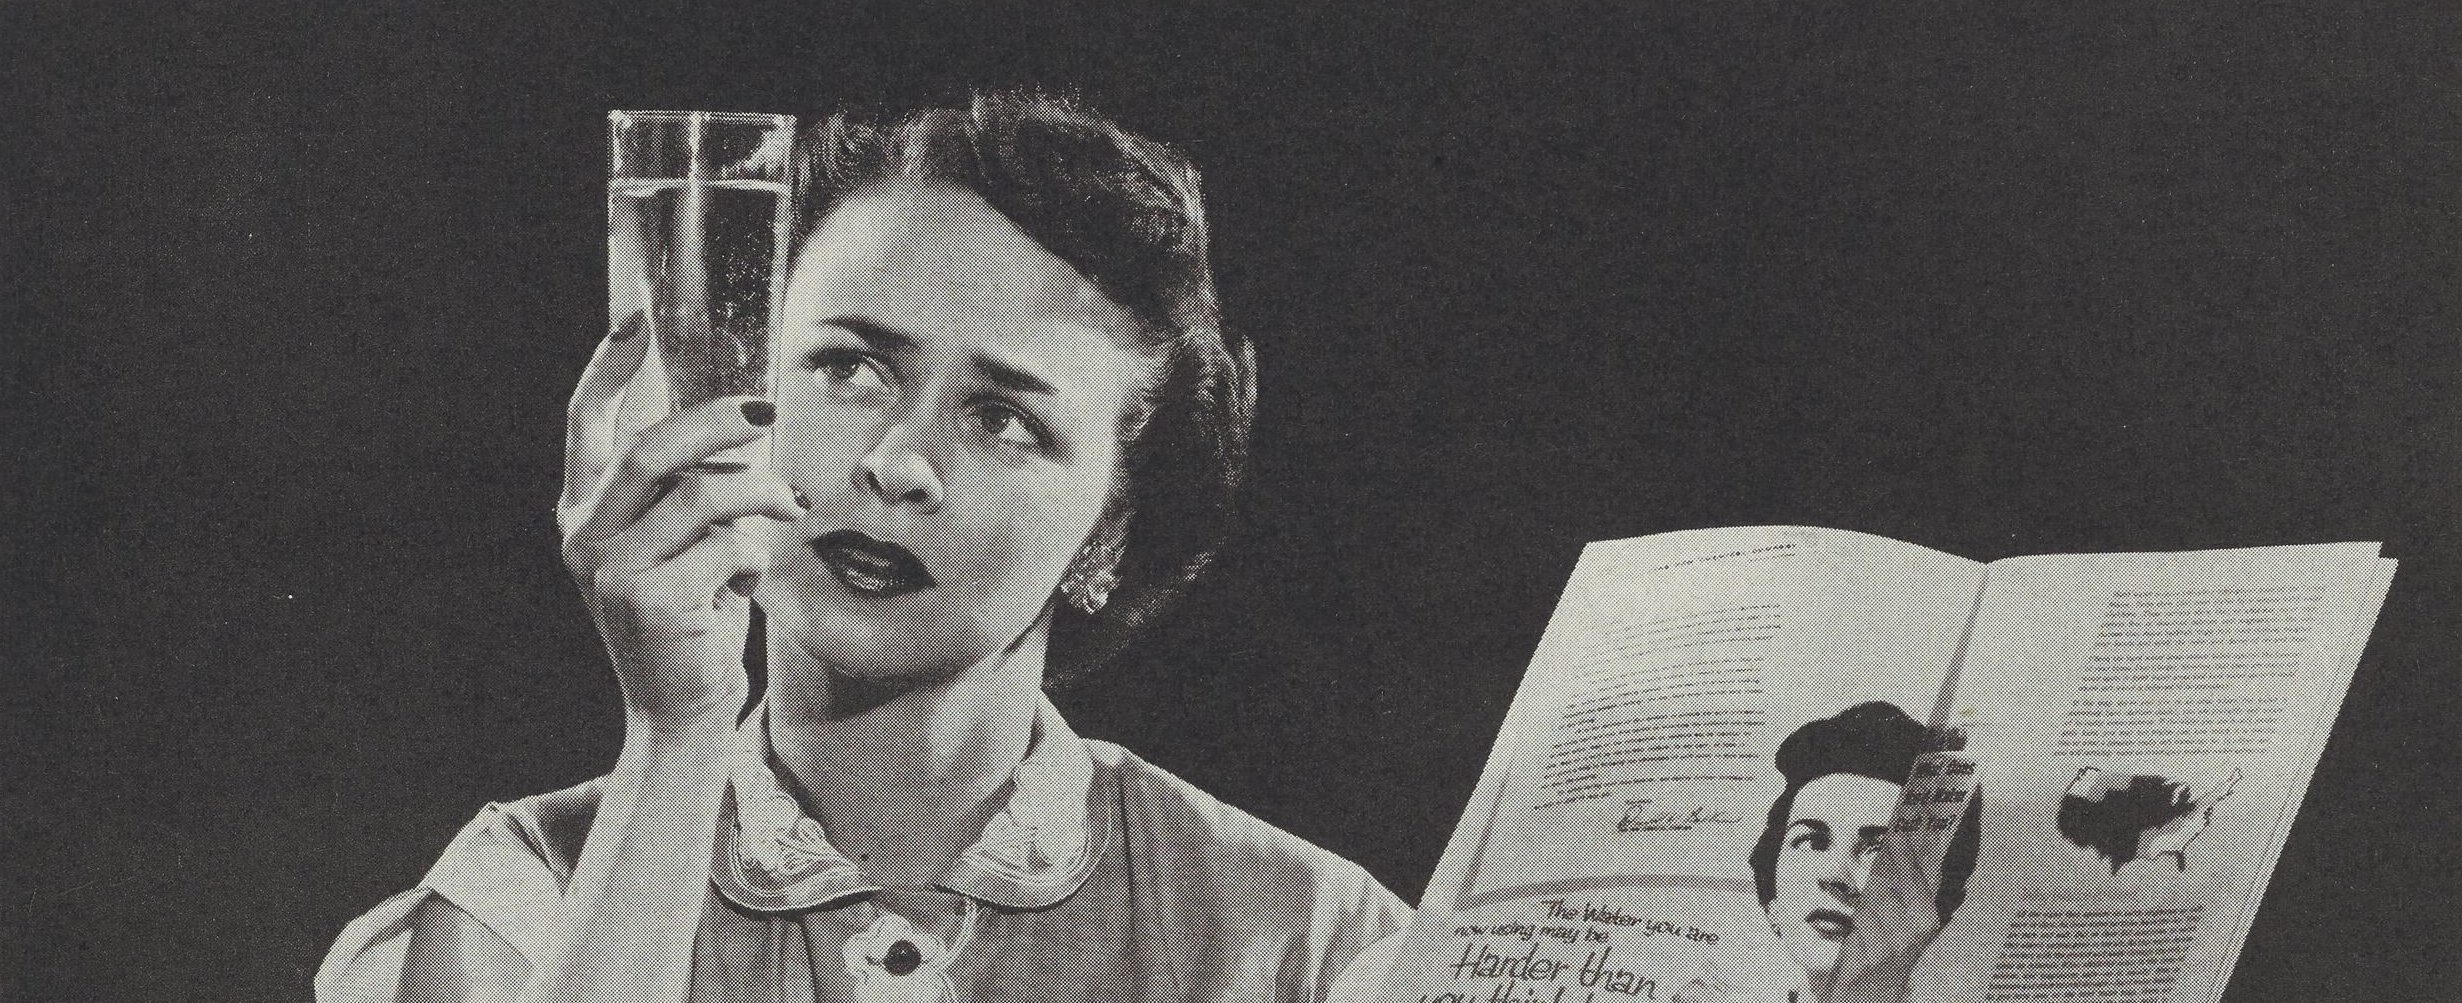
706	700
704	721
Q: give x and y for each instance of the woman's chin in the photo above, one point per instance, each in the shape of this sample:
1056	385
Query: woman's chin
915	646
1818	959
877	663
875	653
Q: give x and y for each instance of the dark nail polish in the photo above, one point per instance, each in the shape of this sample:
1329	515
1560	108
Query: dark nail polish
802	502
632	326
760	413
744	584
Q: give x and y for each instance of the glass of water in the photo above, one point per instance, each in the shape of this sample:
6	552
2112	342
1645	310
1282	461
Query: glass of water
697	207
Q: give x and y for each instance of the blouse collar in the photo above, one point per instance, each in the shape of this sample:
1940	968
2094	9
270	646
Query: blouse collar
1037	851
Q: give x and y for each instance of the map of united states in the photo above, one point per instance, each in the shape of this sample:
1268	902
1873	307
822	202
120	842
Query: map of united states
2128	817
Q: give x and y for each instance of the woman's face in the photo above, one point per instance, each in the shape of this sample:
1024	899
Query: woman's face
950	397
1833	829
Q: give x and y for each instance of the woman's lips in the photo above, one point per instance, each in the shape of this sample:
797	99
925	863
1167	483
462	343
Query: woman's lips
871	567
1830	923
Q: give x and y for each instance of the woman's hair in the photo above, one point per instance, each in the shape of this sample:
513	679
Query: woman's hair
1124	211
1875	740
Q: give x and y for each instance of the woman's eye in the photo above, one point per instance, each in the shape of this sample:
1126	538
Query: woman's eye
1809	840
1007	424
843	370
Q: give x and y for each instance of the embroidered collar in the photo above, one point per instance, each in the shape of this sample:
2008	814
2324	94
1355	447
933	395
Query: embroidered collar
1037	851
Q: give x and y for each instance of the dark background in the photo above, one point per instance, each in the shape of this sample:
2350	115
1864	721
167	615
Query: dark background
296	294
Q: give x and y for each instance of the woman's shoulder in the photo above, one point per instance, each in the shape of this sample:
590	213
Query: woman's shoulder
552	825
1238	856
506	869
541	833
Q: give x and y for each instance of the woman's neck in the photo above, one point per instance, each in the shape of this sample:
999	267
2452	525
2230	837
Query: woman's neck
903	778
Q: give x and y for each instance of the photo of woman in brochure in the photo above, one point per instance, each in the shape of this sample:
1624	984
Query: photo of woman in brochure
1844	777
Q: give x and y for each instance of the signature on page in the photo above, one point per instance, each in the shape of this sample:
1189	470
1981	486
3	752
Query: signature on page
1649	815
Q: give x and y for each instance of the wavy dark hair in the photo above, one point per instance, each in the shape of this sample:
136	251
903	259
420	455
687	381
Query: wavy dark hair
1125	212
1875	740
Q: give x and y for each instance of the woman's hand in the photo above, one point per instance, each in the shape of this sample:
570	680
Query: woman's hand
655	544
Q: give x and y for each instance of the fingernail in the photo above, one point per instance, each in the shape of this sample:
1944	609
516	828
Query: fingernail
625	331
760	413
801	502
743	584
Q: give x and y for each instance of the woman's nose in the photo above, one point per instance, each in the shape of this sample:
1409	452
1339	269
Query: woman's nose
1846	882
898	473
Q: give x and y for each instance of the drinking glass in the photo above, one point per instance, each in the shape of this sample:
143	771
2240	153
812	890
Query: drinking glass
697	206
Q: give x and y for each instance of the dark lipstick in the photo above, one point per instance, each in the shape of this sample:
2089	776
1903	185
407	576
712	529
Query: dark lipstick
1830	923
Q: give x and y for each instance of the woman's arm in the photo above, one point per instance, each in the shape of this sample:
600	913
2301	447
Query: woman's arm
666	571
631	907
453	958
636	896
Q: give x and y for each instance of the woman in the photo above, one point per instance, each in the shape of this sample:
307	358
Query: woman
1843	778
1006	427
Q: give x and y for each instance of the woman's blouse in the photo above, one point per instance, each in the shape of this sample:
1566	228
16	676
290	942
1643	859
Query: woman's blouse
1102	878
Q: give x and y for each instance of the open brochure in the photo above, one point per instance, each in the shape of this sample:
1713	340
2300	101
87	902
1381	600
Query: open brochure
1784	763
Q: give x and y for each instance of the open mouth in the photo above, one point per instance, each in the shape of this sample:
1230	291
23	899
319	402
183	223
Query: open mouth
1830	923
871	567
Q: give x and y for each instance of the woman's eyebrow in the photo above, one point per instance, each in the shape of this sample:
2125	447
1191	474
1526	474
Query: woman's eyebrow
1809	823
1010	377
881	337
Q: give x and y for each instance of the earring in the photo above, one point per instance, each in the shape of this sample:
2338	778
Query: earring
1092	576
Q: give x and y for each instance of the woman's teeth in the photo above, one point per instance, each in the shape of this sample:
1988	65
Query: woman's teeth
870	566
